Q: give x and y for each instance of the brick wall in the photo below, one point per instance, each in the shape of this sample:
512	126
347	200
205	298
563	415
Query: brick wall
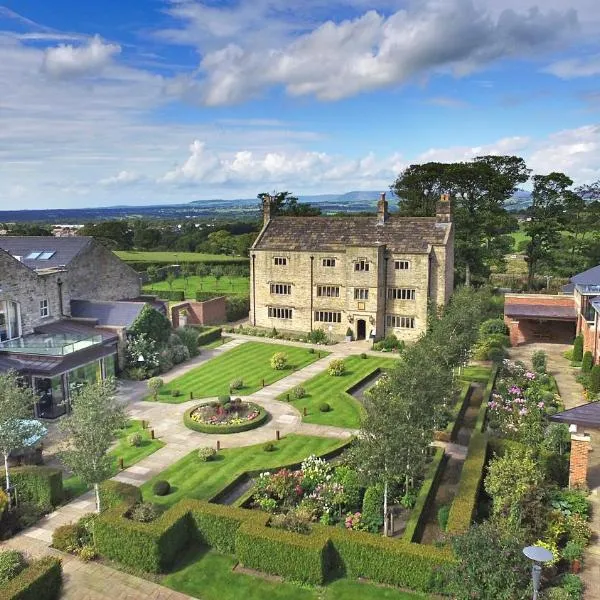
591	338
578	464
209	312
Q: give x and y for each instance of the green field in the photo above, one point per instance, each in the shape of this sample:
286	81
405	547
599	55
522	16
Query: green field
190	477
518	237
207	575
345	410
225	285
177	258
74	487
249	362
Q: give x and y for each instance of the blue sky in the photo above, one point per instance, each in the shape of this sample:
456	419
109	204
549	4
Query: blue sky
113	102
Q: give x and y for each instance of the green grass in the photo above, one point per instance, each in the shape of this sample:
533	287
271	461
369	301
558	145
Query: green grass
249	362
131	455
345	410
176	257
191	478
518	237
225	285
476	373
207	575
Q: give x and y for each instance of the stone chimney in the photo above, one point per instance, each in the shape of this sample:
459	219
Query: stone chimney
578	463
382	210
443	212
266	206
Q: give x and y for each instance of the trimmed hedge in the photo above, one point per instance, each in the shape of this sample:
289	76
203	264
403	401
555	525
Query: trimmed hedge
172	295
212	334
261	419
114	493
416	522
217	524
41	580
40	485
487	394
450	432
203	296
464	505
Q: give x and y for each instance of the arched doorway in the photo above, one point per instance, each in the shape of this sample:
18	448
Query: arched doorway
361	329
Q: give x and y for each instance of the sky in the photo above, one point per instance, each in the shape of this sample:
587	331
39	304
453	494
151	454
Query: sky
162	101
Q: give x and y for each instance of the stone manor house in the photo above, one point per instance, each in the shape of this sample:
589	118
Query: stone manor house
63	317
373	274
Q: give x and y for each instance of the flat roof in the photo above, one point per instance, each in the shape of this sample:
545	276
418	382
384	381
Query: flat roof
541	311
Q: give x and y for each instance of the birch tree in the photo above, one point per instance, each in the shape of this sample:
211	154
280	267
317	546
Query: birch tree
89	431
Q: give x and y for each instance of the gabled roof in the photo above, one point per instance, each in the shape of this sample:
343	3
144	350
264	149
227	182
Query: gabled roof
399	234
540	311
111	314
60	250
584	415
589	277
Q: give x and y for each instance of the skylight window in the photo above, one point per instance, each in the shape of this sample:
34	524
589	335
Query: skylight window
46	255
32	255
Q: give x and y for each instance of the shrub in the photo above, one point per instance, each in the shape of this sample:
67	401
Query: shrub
492	326
578	349
372	508
236	384
324	407
595	379
573	551
3	502
11	564
113	493
555	593
175	393
66	537
135	439
269	447
298	392
496	354
587	362
237	307
317	336
572	585
363	355
311	350
154	385
206	453
349	332
161	488
279	361
442	516
245	425
153	324
41	486
295	521
144	512
189	338
571	502
539	361
336	367
210	335
41	580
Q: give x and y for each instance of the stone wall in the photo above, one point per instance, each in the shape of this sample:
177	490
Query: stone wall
97	274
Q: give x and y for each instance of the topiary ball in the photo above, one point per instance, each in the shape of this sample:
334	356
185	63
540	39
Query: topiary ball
161	488
206	453
269	447
324	407
135	439
363	355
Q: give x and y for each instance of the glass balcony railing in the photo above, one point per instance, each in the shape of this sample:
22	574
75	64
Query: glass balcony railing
588	289
50	344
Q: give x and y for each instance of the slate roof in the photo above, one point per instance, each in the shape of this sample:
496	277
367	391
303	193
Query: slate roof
65	249
584	415
399	234
589	277
540	311
113	314
72	327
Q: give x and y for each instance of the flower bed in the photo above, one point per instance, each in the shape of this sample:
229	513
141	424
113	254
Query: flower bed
225	416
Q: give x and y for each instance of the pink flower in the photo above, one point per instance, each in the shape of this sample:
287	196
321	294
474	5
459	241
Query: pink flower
529	375
540	405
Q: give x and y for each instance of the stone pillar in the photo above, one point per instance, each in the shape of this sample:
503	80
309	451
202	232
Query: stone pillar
578	465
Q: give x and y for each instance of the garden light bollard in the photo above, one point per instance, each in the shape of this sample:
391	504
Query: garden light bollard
191	395
287	397
263	383
218	445
538	555
304	411
121	464
277	437
152	434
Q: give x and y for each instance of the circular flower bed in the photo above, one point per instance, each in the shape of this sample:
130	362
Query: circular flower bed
225	417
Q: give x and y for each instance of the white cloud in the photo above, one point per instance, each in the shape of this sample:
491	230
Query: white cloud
575	67
120	179
66	60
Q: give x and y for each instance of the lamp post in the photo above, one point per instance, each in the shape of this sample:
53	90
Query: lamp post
538	555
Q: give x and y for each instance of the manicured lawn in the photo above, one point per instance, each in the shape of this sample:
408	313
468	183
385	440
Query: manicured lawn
207	575
476	373
225	285
74	487
518	237
191	478
176	257
345	410
249	362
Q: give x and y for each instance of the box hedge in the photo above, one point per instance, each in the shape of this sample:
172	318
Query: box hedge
39	485
464	505
295	556
114	493
204	296
41	580
487	394
212	334
261	419
172	295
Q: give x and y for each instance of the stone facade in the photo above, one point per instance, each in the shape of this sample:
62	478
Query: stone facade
578	463
372	276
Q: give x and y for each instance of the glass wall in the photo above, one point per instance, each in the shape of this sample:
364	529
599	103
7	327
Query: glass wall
110	366
9	320
50	391
90	373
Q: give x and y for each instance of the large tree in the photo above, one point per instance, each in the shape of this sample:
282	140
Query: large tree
480	189
286	204
89	431
16	424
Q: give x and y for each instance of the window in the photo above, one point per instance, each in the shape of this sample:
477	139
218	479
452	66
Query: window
32	255
275	312
361	293
401	265
328	291
280	261
281	288
10	327
326	316
400	322
401	294
46	255
329	262
44	308
361	265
